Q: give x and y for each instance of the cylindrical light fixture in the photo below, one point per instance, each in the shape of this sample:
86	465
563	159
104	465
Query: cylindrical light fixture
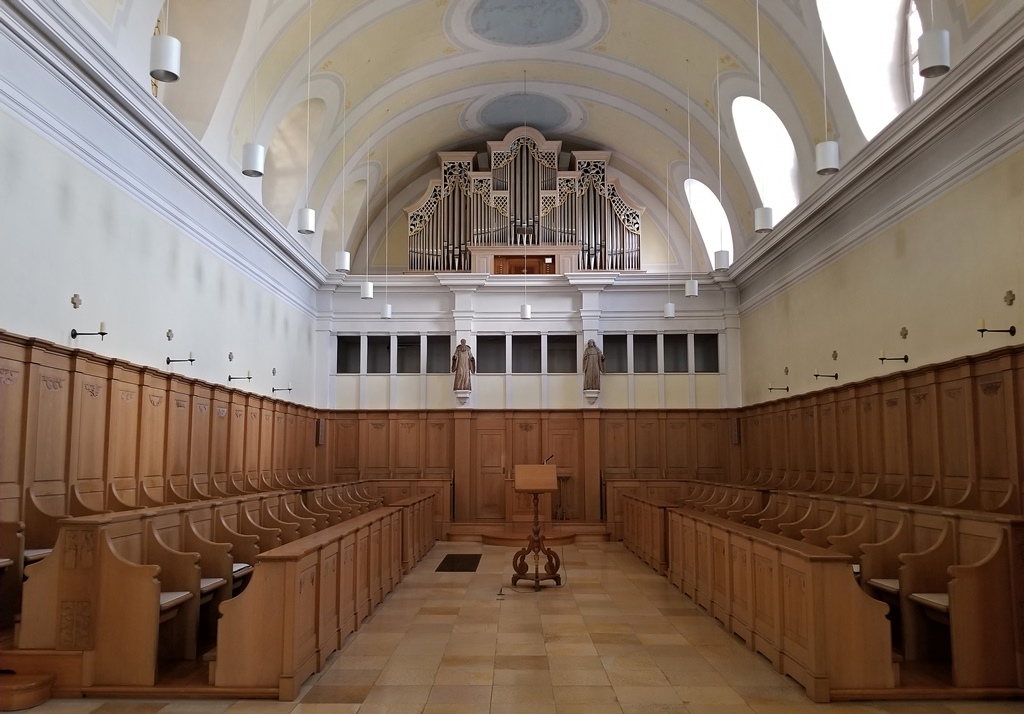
253	158
366	290
826	156
525	311
933	53
763	219
307	221
342	261
385	313
690	289
721	260
165	58
670	309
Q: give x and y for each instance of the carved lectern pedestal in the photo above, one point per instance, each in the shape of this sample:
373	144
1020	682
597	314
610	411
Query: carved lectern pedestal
536	479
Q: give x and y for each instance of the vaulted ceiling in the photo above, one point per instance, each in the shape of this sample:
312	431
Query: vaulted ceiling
391	82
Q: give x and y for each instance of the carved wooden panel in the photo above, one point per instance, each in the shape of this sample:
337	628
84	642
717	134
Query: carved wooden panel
564	446
894	444
847	438
236	419
711	440
377	430
679	452
923	432
88	435
219	433
869	429
407	451
281	438
202	422
253	423
993	429
526	441
827	438
125	404
49	400
152	438
266	428
794	442
179	407
777	455
12	430
808	447
345	445
955	440
615	446
438	445
648	446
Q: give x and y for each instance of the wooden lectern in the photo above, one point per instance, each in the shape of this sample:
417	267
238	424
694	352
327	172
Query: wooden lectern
536	479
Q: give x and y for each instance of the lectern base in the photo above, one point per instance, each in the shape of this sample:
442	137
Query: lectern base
535	546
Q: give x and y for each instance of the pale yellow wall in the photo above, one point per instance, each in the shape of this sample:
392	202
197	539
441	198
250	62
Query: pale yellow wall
708	391
677	391
407	391
645	391
439	391
936	273
346	391
615	391
564	391
525	391
377	392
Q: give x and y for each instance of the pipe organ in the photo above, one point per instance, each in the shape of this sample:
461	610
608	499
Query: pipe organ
473	220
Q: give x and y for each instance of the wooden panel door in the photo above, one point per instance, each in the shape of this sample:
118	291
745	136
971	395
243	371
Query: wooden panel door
488	497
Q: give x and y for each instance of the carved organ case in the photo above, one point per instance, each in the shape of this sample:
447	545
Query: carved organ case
524	214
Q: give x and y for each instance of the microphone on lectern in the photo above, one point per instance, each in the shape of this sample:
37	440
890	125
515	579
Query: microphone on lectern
549	458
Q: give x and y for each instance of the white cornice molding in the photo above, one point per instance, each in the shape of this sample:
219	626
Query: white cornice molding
46	32
802	244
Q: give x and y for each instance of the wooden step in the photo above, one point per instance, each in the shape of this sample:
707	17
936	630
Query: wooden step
23	691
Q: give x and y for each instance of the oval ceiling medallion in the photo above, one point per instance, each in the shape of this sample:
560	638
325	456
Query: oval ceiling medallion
526	22
535	110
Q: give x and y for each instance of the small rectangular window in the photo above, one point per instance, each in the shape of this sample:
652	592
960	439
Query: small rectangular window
490	354
562	354
348	354
408	354
705	353
439	354
616	356
645	353
378	354
526	354
675	353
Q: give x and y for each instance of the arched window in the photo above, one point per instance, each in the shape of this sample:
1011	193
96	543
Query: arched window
712	222
770	154
864	39
914	29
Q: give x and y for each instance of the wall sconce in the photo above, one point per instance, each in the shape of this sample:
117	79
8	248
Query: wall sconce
190	360
777	389
981	328
274	390
248	376
883	358
831	376
75	334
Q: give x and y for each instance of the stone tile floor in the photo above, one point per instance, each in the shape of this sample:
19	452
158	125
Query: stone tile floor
616	639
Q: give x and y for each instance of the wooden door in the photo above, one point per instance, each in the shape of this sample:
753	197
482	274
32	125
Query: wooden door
488	498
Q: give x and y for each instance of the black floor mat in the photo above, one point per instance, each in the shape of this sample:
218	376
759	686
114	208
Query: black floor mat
459	563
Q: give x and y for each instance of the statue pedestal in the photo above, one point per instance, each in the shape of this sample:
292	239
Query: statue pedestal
591	395
462	395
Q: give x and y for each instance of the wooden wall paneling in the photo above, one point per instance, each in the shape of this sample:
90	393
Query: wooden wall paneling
826	435
375	446
200	433
776	452
47	422
615	446
895	454
869	429
123	435
13	398
252	405
680	454
750	430
808	444
220	420
265	462
995	434
308	440
923	432
847	468
237	442
793	444
291	439
179	414
279	454
153	406
408	433
712	442
437	447
955	406
527	439
490	467
344	434
563	441
647	448
1018	381
87	436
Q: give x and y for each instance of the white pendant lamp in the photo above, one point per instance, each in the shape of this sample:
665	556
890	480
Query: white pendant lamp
165	53
670	310
690	286
307	216
933	53
385	312
342	261
826	153
762	216
254	155
722	255
307	221
253	158
525	311
366	290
